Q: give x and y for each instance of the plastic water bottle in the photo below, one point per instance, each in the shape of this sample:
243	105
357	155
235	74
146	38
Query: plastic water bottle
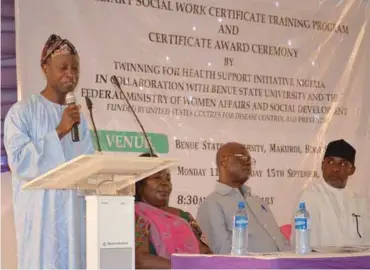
239	244
302	230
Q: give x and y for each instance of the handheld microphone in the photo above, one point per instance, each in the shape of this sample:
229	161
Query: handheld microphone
71	100
89	106
116	83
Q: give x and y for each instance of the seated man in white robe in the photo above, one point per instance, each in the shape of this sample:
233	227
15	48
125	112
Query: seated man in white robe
50	224
339	217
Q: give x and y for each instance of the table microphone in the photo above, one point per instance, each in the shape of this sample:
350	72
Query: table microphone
89	106
116	83
71	100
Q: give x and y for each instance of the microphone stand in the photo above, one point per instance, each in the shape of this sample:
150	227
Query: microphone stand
89	106
116	83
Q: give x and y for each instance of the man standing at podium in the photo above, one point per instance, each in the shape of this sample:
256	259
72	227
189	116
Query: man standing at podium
50	225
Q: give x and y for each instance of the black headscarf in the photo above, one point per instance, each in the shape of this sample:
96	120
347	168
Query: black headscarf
141	182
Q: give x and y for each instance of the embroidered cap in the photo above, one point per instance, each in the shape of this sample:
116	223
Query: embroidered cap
54	46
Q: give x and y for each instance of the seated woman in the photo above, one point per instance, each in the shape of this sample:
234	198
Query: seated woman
160	229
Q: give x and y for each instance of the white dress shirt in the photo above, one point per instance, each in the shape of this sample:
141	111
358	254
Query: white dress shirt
333	216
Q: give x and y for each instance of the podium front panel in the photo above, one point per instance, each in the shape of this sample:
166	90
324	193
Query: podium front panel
110	222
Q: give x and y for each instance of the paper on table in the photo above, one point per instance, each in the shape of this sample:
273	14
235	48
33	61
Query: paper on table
344	249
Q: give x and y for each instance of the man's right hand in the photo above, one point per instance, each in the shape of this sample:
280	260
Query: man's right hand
71	115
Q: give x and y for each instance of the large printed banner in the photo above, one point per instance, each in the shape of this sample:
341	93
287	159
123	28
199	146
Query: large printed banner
284	78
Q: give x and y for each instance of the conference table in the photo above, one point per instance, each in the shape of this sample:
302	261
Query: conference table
314	260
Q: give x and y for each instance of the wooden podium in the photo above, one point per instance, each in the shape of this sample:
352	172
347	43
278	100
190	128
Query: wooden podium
107	182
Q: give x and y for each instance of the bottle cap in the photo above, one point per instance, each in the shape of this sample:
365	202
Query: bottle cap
241	205
302	206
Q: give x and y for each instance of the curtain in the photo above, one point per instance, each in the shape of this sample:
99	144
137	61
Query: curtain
8	69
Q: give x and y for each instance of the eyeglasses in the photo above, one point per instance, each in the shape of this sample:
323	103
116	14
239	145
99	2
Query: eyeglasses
242	157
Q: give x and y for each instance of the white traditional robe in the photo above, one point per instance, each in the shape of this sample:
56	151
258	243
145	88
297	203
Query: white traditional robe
332	213
50	225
